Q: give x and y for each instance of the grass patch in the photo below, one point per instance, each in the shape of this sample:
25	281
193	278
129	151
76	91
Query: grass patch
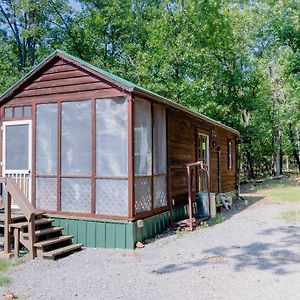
281	190
217	219
4	280
4	265
291	216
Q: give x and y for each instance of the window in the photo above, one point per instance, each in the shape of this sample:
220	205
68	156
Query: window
150	159
8	112
46	139
76	182
27	111
76	138
17	150
142	138
17	112
159	157
111	156
229	155
111	137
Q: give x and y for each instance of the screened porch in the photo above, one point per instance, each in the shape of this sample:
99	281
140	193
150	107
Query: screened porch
80	157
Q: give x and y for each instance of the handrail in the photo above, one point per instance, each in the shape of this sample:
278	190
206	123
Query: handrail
13	191
20	199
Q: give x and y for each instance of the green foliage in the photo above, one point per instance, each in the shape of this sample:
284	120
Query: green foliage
204	224
217	219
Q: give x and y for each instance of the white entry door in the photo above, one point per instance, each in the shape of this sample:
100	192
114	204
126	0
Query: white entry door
16	153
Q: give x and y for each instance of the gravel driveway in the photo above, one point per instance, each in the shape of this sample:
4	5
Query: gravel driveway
254	254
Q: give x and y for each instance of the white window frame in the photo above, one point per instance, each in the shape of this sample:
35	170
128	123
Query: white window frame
229	155
12	123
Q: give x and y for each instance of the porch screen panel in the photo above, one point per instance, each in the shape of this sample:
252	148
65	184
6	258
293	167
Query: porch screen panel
142	138
17	150
46	189
46	139
143	197
159	157
142	155
76	138
160	191
111	137
76	195
112	197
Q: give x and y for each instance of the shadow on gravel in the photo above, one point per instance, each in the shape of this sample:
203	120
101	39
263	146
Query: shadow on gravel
277	258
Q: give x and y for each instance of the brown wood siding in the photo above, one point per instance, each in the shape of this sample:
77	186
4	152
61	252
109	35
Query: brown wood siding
228	177
182	149
63	81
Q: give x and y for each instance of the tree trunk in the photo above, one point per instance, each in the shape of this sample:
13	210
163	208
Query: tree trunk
277	154
250	162
294	145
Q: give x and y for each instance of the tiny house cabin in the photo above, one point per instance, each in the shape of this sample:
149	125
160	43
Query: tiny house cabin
95	152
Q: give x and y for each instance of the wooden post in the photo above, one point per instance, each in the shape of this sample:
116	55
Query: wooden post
31	236
16	241
131	200
170	196
7	222
190	210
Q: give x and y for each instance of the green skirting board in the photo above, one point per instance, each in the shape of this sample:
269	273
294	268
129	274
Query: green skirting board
116	234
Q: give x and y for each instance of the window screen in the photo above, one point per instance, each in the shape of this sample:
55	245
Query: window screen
159	131
46	139
111	137
17	149
76	138
142	138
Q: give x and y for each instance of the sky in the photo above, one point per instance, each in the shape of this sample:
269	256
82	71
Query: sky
75	4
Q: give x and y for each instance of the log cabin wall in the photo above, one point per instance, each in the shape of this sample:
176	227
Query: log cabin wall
182	149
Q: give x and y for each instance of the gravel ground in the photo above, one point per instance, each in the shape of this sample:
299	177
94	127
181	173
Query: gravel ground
254	254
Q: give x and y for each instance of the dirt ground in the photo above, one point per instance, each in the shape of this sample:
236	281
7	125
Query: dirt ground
253	254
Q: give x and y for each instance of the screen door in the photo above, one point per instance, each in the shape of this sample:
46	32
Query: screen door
17	145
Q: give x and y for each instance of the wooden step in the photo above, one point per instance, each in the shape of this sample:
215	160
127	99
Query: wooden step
38	222
39	214
52	241
45	231
60	251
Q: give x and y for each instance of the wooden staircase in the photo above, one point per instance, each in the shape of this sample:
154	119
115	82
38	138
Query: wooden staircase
32	229
49	241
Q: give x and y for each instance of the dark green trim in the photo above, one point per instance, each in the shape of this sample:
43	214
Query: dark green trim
116	234
97	234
